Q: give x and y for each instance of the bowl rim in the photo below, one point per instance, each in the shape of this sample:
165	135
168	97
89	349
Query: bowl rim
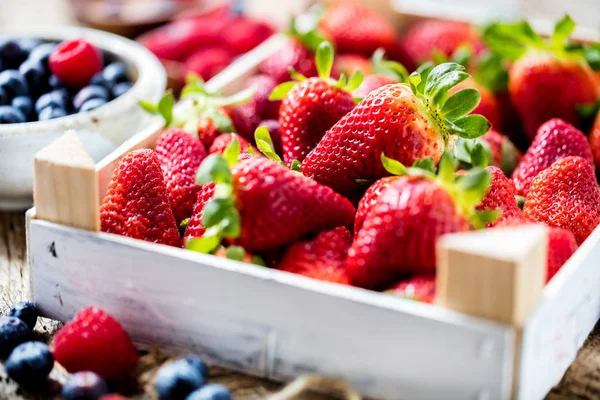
150	73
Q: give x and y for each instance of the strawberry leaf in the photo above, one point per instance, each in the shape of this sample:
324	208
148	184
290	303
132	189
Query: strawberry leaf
258	260
149	107
295	166
470	126
491	72
236	253
392	166
354	81
461	103
205	244
592	56
265	144
238	98
165	107
232	152
446	168
385	67
488	216
214	168
281	90
425	164
215	211
324	59
562	31
297	76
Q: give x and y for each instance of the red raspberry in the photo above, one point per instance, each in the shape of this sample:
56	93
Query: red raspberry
74	62
95	341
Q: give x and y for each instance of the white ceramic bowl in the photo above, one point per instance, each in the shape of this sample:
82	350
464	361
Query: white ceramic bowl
101	130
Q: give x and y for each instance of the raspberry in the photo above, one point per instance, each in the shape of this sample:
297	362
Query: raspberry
95	341
74	62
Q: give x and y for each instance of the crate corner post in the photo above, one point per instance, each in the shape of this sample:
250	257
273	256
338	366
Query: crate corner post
66	184
477	276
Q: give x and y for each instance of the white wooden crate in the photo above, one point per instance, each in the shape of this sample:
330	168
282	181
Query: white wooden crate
278	325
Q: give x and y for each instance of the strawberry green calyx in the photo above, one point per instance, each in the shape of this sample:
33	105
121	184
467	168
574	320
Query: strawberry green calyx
473	153
389	68
467	190
265	145
308	35
324	61
219	216
198	103
513	41
450	114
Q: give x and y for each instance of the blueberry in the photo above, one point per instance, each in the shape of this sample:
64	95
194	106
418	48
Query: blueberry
13	332
213	391
1	65
88	93
98	80
30	364
3	97
120	89
179	378
25	105
11	115
91	104
35	75
55	83
12	53
84	386
56	98
115	73
51	113
29	44
13	83
25	310
42	53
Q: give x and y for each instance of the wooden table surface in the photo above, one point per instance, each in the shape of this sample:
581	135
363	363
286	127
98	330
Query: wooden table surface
582	380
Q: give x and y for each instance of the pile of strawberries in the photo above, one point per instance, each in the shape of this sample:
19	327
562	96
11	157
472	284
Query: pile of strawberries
353	178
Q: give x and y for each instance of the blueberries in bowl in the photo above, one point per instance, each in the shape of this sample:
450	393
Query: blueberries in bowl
42	80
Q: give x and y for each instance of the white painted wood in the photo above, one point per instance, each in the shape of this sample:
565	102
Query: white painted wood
268	322
562	321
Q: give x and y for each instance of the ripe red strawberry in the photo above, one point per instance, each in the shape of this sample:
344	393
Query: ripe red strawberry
500	197
243	34
137	202
244	119
180	155
207	61
399	233
369	199
372	82
425	39
504	154
263	206
207	131
94	341
405	129
555	139
195	228
548	79
293	54
311	107
488	106
595	141
561	246
223	141
321	258
417	287
355	28
177	40
263	106
566	195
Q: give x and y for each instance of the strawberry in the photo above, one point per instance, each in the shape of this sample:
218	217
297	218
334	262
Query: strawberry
372	82
500	197
555	139
180	155
369	199
566	195
384	72
426	39
262	206
417	287
399	233
95	341
595	141
177	40
194	227
243	34
548	78
207	131
321	258
413	122
265	108
311	106
297	53
355	28
223	141
243	118
503	154
561	246
137	201
348	63
207	61
488	106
